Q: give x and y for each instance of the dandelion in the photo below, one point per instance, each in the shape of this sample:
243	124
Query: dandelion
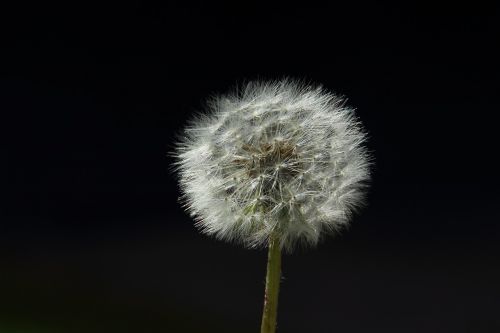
275	164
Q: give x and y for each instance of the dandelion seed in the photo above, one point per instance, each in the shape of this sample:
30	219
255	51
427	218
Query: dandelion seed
279	141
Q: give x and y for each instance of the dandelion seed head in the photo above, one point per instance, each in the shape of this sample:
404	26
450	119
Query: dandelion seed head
274	158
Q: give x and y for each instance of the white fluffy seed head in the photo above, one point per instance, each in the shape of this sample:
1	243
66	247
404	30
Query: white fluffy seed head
274	158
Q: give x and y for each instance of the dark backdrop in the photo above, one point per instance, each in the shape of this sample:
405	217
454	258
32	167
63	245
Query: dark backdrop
94	240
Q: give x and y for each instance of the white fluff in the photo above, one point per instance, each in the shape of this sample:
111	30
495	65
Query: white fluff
275	157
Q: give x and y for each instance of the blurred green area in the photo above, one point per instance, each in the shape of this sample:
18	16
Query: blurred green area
133	285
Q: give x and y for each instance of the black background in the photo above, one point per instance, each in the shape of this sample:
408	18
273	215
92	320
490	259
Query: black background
94	240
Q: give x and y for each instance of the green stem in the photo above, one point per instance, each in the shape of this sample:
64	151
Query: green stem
272	287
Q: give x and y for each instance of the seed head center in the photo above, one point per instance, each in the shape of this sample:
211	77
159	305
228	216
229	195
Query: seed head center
270	158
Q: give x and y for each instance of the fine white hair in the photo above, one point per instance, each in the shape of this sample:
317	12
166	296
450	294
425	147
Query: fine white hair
281	158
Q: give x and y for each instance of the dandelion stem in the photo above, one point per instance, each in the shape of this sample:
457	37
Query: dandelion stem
273	275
